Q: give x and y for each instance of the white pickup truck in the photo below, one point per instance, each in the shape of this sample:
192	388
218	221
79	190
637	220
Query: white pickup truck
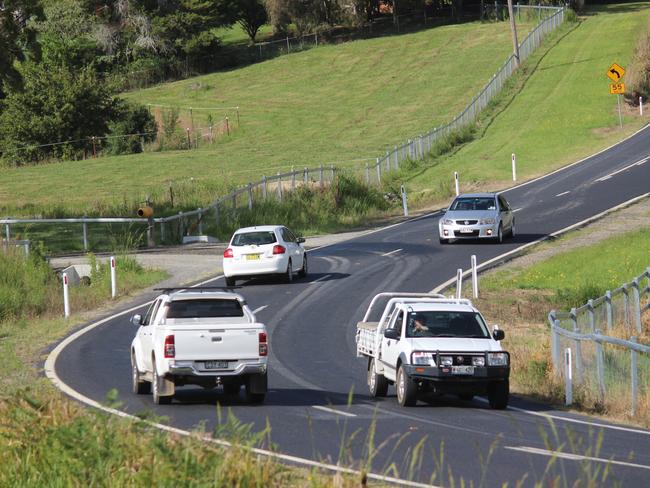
199	336
426	343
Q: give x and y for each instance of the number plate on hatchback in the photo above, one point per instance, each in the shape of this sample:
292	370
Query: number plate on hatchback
462	369
252	257
215	364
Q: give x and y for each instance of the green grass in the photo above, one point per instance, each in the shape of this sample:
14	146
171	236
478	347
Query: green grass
578	275
331	104
561	113
236	35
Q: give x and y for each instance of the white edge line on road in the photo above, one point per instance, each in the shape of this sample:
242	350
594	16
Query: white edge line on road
332	410
574	163
573	457
563	193
392	252
451	281
50	372
637	163
259	309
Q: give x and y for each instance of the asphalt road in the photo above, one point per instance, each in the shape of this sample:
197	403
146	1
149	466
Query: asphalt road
318	407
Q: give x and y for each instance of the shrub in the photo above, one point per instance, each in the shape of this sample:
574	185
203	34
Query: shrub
638	75
133	126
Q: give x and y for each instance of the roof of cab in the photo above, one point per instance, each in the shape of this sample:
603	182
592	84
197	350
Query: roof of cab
477	195
441	306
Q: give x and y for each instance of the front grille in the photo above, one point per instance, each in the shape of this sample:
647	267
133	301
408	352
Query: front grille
461	359
466	222
474	233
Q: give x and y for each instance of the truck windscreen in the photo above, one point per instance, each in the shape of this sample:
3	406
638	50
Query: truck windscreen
446	324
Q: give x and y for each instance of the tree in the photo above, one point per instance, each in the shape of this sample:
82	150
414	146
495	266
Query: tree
251	15
55	104
17	39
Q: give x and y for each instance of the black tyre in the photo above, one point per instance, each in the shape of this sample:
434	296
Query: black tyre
499	394
256	386
288	274
467	397
513	233
303	272
407	389
158	399
138	385
230	281
499	237
377	383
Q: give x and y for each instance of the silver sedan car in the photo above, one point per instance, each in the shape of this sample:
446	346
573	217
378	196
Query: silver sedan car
477	216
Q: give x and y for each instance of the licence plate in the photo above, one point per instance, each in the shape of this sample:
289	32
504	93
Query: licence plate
215	364
252	257
462	369
466	230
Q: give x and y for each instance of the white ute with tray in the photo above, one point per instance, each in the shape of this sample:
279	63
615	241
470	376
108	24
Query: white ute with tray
199	336
427	343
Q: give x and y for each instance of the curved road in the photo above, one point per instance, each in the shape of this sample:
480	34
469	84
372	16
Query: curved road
318	407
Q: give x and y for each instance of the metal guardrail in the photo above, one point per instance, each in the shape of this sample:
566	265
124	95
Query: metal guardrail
278	185
600	360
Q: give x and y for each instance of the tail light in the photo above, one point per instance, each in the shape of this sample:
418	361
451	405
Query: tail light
277	249
264	347
228	253
170	348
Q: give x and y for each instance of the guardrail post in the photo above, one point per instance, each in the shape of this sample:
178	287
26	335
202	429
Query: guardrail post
66	296
250	196
592	317
113	277
7	233
378	171
637	305
162	232
367	174
626	300
279	187
321	176
568	377
264	187
474	276
333	172
306	175
200	221
555	345
459	283
396	157
634	380
600	367
578	345
84	226
609	311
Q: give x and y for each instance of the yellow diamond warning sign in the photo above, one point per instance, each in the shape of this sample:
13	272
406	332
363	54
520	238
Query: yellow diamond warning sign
615	72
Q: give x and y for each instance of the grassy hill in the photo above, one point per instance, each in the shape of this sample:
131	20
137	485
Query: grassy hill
331	104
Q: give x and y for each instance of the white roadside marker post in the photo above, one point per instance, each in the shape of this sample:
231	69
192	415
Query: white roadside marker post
113	277
459	283
456	183
568	377
514	167
641	106
66	296
404	203
474	277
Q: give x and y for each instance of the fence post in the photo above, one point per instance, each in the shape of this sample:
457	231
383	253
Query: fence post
85	232
637	305
555	345
333	171
608	310
321	176
7	233
66	296
279	187
250	196
396	158
600	367
367	174
474	276
568	377
293	179
113	278
459	283
590	311
200	221
264	187
626	300
634	380
378	171
574	321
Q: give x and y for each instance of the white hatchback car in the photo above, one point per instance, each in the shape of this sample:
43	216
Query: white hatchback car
264	250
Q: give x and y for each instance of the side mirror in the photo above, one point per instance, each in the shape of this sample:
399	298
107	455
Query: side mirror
498	334
300	240
391	334
136	320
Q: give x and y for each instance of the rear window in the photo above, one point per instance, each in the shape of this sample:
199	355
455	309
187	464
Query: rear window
258	238
189	309
477	203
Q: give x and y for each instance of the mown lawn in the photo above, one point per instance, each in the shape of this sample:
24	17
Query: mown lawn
331	104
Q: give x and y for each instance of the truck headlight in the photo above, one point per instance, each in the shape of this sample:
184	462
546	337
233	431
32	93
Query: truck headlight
489	221
497	358
420	358
478	361
446	361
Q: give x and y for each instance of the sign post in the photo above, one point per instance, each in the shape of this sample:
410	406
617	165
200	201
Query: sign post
616	73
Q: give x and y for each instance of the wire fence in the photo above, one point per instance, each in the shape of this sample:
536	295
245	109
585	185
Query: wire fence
279	185
609	343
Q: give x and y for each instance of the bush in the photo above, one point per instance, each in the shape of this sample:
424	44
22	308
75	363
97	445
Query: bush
638	75
133	126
